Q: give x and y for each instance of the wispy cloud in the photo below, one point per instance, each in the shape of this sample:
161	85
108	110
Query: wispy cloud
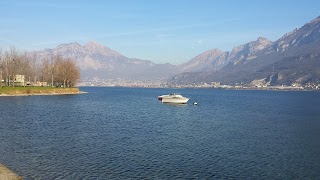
164	30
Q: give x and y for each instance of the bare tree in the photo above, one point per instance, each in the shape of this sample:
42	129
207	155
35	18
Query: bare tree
24	66
74	73
15	60
55	63
34	70
53	68
7	64
44	69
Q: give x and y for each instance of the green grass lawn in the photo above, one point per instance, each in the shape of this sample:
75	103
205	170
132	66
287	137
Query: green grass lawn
35	90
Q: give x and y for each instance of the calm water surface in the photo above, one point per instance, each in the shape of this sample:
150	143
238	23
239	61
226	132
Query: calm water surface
126	133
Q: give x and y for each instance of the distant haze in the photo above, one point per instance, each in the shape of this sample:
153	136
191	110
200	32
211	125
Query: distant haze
292	59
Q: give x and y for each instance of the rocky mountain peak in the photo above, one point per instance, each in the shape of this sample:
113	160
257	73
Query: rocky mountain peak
97	61
70	48
213	52
316	20
263	40
253	46
307	34
211	59
292	58
207	55
93	44
70	45
95	47
259	44
249	50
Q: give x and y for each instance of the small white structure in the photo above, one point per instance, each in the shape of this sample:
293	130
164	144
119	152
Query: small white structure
19	80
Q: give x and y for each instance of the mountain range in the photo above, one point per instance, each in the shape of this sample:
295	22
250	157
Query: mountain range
294	58
98	61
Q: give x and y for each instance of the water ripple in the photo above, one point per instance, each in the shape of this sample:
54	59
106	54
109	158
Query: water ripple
123	133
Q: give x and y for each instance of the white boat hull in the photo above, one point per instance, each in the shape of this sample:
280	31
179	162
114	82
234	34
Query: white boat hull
169	96
179	100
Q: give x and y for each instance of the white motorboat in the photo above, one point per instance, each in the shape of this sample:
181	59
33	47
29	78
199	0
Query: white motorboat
174	98
169	96
163	96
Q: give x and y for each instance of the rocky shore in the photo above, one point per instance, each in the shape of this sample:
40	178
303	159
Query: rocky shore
7	174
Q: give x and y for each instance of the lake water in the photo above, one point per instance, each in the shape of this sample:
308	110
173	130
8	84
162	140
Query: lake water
126	133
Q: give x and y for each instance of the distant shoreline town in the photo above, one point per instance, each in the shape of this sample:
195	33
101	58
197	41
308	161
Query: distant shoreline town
215	85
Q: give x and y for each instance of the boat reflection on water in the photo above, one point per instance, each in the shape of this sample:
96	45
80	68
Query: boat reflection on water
175	104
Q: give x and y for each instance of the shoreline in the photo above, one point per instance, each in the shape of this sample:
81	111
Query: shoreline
7	174
42	94
37	91
222	88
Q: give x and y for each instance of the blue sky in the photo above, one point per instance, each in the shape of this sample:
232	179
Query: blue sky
162	31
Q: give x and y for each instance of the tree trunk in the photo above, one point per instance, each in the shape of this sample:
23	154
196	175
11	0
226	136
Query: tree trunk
13	80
